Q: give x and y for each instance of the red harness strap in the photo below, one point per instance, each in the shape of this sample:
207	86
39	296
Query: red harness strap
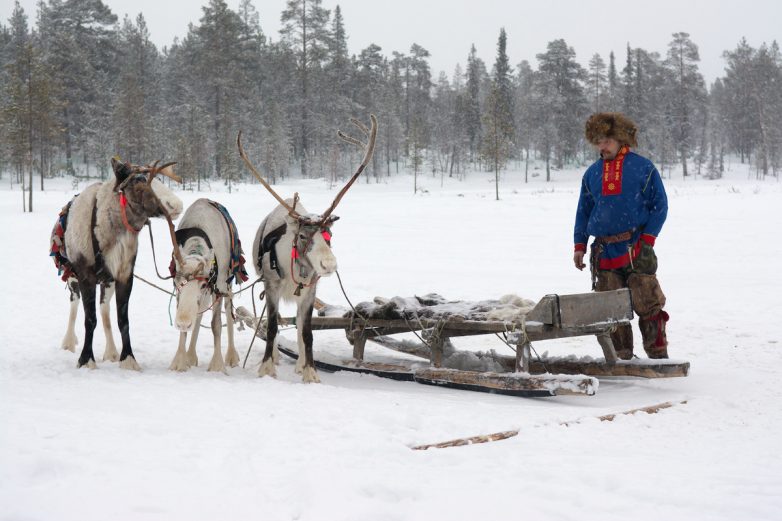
123	203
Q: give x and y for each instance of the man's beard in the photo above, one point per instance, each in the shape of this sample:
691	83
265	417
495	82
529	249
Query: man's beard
607	156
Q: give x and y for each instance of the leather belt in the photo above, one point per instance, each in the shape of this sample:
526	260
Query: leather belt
619	237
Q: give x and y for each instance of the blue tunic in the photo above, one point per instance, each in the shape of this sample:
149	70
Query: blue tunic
640	207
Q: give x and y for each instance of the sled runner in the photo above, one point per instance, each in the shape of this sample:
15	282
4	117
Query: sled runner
437	320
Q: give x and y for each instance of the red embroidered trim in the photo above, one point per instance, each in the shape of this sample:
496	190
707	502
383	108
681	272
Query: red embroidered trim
612	173
580	247
622	261
648	239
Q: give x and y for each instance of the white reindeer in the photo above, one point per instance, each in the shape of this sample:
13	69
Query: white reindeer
291	251
209	261
95	242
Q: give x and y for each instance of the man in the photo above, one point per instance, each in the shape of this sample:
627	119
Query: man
623	205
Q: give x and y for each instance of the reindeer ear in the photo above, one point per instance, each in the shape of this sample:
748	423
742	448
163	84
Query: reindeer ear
121	170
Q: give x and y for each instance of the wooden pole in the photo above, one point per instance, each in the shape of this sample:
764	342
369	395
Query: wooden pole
504	435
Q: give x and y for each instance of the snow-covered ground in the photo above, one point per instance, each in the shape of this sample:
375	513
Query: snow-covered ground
111	444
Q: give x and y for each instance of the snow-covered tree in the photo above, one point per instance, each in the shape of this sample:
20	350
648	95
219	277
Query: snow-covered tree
497	120
305	30
687	95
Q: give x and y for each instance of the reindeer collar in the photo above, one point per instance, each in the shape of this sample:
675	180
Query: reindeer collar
123	204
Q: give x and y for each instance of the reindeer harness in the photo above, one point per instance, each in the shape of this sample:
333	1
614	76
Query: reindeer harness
57	250
236	261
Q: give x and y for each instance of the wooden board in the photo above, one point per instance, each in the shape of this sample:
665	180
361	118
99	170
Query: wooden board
583	309
517	384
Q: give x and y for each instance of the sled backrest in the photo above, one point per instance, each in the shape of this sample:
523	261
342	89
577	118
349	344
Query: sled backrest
583	309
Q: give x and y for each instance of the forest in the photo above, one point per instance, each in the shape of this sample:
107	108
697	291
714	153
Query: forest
78	86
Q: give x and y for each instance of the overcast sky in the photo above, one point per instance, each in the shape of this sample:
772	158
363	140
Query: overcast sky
447	28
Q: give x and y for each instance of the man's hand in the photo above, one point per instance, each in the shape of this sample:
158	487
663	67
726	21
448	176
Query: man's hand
578	260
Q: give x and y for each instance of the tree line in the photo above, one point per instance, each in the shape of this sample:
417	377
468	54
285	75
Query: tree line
80	86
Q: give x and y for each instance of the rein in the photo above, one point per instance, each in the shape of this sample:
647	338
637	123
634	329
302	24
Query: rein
123	204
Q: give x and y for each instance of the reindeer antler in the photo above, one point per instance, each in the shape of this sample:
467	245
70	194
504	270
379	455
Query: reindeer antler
154	170
177	251
293	213
167	171
369	149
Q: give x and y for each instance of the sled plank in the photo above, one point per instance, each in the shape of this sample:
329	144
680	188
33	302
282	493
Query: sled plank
641	368
520	384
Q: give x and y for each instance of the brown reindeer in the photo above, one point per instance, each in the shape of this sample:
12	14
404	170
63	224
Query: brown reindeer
95	243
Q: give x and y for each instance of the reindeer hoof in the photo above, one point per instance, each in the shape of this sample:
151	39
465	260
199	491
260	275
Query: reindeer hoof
192	359
130	363
232	358
217	365
179	363
267	369
69	342
110	354
309	375
89	364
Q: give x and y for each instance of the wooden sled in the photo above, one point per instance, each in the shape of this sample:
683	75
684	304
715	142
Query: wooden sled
512	384
554	316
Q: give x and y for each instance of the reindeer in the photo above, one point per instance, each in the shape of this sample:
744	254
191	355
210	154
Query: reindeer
209	261
95	241
289	230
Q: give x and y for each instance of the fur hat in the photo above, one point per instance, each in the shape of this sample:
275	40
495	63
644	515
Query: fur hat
611	125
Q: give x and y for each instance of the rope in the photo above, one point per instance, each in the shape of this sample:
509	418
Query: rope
259	279
154	259
153	285
525	340
255	335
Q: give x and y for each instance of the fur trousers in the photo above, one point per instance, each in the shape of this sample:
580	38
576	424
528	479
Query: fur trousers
648	302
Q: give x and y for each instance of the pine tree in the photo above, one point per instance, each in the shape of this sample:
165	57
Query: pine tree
338	91
304	30
687	94
498	119
524	111
217	52
612	104
137	92
628	85
561	83
472	117
17	101
418	86
79	48
596	82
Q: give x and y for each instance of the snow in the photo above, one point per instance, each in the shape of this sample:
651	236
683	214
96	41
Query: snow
160	445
